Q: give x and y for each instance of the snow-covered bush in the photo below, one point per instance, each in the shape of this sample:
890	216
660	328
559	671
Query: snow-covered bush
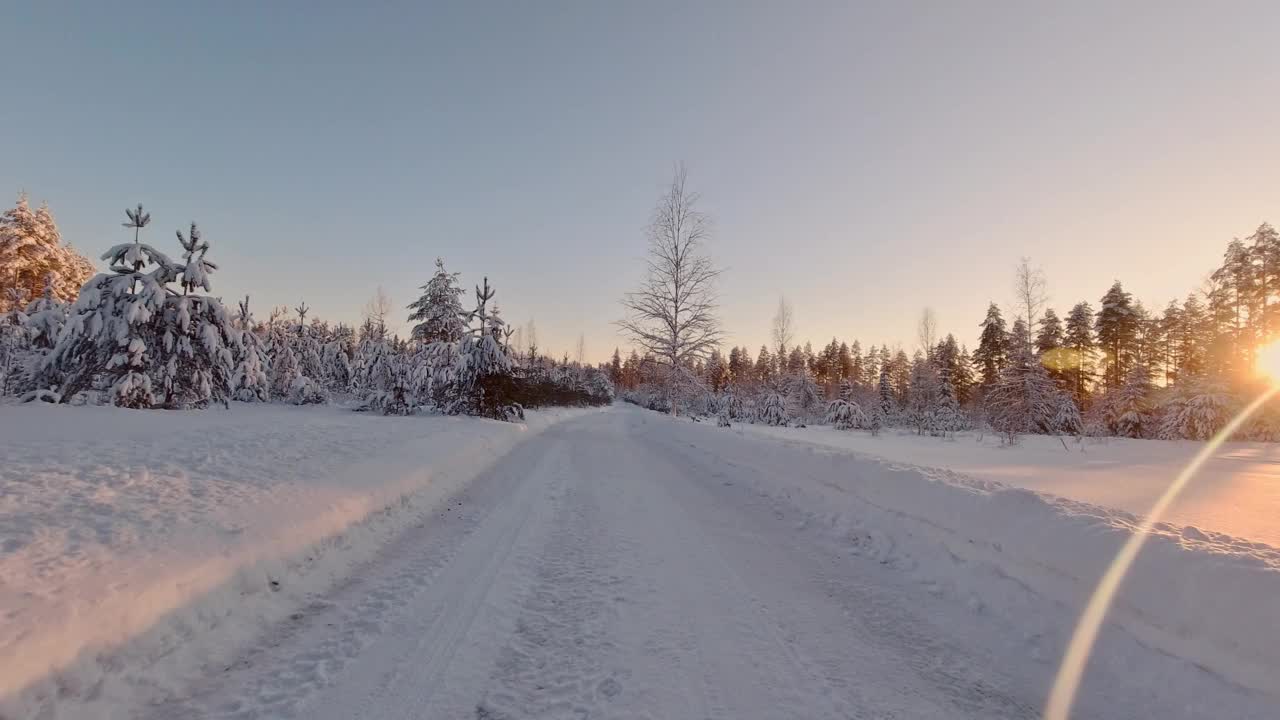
1195	409
845	415
771	410
305	391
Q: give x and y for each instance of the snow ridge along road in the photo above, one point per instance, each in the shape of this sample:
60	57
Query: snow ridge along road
629	565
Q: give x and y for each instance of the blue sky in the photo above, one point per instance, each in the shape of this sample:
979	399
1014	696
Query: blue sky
865	159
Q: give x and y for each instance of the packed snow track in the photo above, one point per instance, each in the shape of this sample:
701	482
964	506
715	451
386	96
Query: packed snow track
627	565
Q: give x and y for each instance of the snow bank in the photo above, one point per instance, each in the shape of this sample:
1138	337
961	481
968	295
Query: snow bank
1237	492
127	537
1033	559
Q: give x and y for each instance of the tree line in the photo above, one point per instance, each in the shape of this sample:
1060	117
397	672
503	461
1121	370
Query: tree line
148	334
1116	368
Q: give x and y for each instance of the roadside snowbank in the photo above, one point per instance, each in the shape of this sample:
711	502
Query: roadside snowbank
131	537
1033	559
1236	493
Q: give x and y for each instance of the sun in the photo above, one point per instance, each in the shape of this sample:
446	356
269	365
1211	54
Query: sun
1268	361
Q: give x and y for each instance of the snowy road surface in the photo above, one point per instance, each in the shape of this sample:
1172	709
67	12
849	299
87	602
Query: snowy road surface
627	565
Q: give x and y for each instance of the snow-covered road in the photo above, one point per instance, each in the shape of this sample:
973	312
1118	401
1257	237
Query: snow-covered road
627	565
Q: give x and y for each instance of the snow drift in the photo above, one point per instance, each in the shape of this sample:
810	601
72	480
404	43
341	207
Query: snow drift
1034	558
129	536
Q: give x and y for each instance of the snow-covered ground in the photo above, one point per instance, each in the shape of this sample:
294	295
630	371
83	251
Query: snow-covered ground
623	565
127	537
1237	492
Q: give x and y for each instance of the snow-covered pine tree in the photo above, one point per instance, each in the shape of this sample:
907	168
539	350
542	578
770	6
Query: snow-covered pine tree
197	336
251	380
110	340
438	313
993	347
32	251
1079	341
483	372
143	343
1117	332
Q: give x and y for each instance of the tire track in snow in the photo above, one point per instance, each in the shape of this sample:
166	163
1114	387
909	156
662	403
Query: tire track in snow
415	590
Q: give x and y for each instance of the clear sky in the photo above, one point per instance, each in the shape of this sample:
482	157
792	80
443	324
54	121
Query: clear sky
865	159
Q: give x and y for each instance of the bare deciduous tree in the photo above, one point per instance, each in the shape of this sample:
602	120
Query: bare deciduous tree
531	337
1031	292
927	331
673	314
582	350
783	327
378	309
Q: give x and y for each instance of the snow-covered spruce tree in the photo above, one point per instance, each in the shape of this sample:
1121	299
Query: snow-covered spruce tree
142	342
438	313
922	393
943	415
885	390
1196	409
1023	399
722	408
771	409
378	375
283	368
1067	419
45	317
845	415
15	344
335	366
307	349
251	381
483	376
876	419
1126	411
804	398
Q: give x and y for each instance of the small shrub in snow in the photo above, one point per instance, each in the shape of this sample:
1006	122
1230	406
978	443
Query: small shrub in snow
305	391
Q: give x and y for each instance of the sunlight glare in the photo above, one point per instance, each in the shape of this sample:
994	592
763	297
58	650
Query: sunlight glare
1268	361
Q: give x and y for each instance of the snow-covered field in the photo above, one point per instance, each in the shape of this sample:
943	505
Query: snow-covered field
128	536
1237	492
622	564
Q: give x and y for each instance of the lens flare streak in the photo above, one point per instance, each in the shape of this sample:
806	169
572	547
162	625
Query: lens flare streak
1070	673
